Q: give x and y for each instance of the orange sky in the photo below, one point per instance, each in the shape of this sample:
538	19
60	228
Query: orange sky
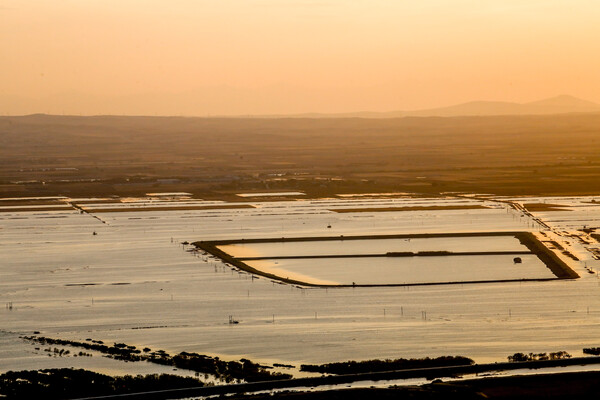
207	57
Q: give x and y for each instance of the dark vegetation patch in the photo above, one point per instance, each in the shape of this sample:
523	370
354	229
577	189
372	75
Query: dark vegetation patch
532	361
227	371
520	357
357	367
592	350
68	383
555	386
564	386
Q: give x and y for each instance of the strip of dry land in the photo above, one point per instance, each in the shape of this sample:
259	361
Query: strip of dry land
35	209
392	254
408	208
165	208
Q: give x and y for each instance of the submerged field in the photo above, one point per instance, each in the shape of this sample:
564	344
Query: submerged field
388	271
124	276
391	260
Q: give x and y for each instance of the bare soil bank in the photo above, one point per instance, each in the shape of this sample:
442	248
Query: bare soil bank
174	208
414	208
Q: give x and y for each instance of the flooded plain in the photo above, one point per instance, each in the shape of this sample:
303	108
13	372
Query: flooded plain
373	246
126	277
406	270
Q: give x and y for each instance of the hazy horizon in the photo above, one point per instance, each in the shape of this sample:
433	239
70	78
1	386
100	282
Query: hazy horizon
238	57
216	197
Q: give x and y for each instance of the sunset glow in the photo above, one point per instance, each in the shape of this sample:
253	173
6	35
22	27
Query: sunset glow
234	57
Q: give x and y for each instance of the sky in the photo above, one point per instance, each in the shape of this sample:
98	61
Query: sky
238	57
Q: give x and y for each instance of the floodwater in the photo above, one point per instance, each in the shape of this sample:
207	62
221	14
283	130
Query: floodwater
374	246
406	270
133	282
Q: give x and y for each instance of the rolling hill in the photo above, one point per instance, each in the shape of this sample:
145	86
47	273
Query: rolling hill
563	104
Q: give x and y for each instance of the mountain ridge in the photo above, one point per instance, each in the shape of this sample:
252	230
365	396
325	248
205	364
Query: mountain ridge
562	104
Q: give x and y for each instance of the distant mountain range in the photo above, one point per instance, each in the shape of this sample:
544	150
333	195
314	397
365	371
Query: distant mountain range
554	105
189	104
